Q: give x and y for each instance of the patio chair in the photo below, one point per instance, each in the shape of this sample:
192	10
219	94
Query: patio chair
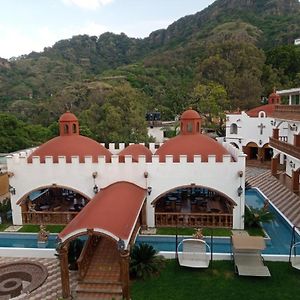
294	258
194	254
247	255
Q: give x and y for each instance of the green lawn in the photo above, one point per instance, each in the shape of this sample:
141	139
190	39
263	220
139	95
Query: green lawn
191	231
220	282
3	226
36	228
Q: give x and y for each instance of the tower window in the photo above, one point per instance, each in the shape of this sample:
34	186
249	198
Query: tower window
74	128
233	129
189	127
66	128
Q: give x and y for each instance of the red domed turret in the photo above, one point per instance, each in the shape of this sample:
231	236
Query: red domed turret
274	98
135	150
69	143
191	142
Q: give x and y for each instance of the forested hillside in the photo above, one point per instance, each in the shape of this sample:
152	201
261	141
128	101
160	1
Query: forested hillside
224	57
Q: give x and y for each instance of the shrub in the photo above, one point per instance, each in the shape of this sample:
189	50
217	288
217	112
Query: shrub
254	217
145	262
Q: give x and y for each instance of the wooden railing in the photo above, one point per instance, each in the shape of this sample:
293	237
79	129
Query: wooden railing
289	112
49	217
85	257
285	147
163	219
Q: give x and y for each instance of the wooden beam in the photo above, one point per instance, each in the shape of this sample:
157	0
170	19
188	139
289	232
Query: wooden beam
124	269
64	272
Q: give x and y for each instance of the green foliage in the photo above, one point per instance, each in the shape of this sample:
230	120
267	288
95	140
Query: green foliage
254	217
36	228
5	206
145	262
74	250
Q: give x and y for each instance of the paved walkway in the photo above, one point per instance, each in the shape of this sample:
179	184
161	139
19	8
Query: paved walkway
51	289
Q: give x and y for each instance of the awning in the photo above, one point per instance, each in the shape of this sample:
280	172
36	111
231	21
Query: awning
113	211
243	242
36	194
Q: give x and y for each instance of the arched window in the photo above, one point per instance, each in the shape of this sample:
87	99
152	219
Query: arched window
66	128
261	114
74	128
233	128
198	127
190	127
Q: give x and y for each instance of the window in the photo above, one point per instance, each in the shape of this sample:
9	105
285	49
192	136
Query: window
74	128
66	128
233	129
261	114
189	127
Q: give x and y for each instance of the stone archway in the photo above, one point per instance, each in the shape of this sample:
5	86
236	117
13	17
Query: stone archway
252	151
192	206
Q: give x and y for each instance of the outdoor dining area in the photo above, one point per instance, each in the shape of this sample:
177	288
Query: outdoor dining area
52	206
193	207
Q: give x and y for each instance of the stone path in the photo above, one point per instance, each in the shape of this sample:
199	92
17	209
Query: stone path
51	289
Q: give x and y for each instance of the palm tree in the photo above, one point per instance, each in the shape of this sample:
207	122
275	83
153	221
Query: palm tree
144	261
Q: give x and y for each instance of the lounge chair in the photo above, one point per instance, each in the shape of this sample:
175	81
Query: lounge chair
194	253
247	255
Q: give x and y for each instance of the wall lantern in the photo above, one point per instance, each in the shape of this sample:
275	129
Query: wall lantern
121	245
12	190
292	165
95	189
146	174
240	173
149	190
240	191
294	127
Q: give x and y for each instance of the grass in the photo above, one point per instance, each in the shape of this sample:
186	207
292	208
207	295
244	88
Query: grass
220	282
191	231
36	228
3	226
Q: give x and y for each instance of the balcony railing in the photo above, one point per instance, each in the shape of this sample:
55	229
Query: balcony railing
287	112
285	147
168	219
41	217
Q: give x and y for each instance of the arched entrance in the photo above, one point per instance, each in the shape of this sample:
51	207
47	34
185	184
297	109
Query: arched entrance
267	153
51	205
192	206
251	149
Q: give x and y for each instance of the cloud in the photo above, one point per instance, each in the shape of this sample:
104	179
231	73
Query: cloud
87	4
92	28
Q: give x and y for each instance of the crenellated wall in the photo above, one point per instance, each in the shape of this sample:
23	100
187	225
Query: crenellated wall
162	176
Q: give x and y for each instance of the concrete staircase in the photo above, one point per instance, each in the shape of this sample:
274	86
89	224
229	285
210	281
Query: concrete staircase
283	198
102	280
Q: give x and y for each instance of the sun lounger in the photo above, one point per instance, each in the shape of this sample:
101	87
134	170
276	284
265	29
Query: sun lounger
247	256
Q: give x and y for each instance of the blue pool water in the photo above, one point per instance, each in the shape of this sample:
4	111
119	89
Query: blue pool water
278	230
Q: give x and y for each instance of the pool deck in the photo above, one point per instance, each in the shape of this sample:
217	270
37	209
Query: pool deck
287	202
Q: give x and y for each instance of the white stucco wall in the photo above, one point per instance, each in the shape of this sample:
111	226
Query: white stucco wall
220	176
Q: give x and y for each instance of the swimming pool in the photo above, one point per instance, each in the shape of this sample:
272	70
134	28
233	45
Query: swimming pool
278	230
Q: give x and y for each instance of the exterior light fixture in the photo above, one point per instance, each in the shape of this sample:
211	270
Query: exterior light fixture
95	189
12	190
260	142
121	245
149	190
294	127
240	191
240	173
146	174
292	165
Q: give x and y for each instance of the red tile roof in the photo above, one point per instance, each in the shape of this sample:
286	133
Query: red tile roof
135	150
114	211
268	109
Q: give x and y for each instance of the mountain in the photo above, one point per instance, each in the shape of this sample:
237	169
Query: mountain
242	48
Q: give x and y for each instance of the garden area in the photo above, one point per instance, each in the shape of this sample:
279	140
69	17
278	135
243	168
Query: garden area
218	282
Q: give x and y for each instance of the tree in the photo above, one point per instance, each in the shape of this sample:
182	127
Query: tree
211	101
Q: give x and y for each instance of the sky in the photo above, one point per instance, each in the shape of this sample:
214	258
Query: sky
31	25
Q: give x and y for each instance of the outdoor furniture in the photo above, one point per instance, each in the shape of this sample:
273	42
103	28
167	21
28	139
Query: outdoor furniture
194	253
294	258
247	255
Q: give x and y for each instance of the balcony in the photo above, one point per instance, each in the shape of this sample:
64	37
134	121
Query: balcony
285	147
287	112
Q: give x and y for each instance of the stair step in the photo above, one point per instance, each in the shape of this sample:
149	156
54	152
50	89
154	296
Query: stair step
98	296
